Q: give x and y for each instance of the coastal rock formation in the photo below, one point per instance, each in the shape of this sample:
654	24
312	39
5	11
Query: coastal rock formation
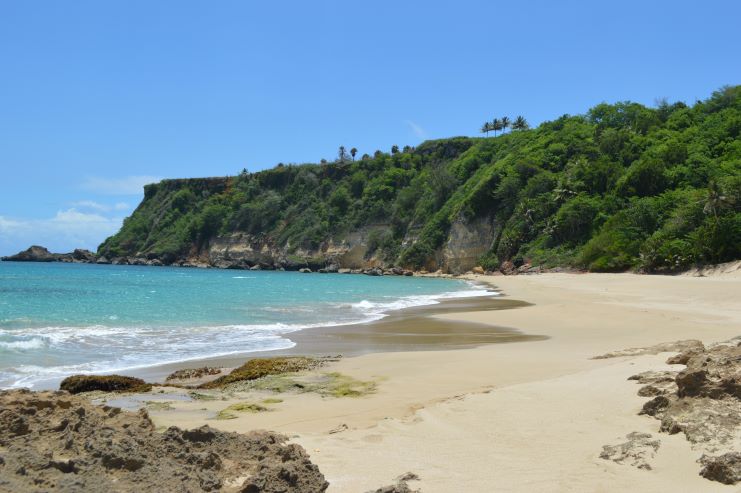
400	486
703	402
76	384
56	441
37	253
666	347
725	469
637	451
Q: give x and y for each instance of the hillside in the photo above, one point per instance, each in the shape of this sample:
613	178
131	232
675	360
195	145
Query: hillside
621	187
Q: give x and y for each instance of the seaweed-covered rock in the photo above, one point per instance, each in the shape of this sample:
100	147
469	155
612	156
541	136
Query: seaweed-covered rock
106	383
193	373
262	367
54	441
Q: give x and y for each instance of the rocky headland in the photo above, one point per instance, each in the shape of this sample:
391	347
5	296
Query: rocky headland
37	253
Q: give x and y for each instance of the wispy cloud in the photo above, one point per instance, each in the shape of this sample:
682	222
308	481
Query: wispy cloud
128	185
97	206
416	129
66	230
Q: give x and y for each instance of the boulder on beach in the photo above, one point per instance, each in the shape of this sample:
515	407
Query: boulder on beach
105	383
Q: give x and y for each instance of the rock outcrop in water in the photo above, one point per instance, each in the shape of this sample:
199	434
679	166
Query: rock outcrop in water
37	253
54	441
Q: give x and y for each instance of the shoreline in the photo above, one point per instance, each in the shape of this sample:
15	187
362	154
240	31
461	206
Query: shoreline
421	332
407	329
472	419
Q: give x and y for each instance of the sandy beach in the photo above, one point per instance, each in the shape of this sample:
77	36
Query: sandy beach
531	415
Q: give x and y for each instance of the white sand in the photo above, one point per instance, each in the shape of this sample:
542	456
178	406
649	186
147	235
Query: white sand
529	416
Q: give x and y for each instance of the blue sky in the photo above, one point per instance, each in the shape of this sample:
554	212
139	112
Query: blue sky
98	98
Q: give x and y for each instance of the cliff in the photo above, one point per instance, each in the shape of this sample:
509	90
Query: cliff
621	187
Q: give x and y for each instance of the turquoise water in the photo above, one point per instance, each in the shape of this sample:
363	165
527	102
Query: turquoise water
60	319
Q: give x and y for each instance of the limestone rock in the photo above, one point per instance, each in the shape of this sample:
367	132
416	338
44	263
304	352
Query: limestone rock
703	402
636	452
725	469
54	441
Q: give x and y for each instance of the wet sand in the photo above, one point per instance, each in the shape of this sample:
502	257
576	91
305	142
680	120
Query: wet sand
522	416
411	329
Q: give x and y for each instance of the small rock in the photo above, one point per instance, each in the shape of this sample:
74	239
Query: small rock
634	452
725	468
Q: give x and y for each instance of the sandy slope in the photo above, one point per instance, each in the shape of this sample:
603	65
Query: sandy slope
530	416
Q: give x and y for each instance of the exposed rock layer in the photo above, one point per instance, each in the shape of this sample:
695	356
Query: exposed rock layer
703	402
56	441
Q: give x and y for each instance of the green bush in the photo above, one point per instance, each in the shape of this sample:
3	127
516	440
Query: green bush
624	186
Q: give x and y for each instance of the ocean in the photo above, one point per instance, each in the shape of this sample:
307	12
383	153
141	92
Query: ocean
60	319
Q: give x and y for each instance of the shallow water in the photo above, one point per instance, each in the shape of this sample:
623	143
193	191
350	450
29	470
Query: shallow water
59	319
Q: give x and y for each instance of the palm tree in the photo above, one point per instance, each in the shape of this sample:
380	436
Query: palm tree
520	123
341	154
486	128
394	149
715	201
505	123
353	151
496	125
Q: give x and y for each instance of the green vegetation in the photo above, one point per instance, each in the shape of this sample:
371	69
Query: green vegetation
104	383
262	367
622	187
240	407
330	384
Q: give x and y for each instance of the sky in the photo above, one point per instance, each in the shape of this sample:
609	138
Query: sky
99	98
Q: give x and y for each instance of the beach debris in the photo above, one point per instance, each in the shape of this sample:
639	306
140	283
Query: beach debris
54	441
703	402
400	486
104	383
338	429
665	347
262	367
725	468
635	452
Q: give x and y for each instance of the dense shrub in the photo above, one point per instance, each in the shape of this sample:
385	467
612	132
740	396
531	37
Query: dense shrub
624	186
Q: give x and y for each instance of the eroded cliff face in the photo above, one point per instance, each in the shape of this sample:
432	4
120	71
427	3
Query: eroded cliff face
245	251
467	242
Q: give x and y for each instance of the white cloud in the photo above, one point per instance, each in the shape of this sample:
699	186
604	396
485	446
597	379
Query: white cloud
97	206
91	204
67	230
128	185
416	129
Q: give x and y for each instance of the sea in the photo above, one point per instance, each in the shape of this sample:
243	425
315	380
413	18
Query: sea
60	319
